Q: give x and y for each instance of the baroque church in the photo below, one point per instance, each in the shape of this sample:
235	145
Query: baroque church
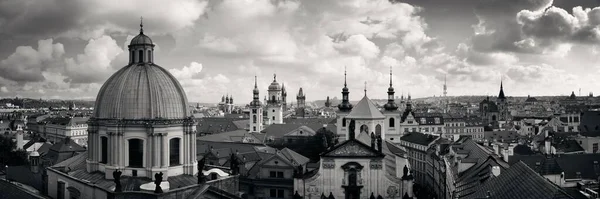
269	112
491	111
364	164
226	104
142	139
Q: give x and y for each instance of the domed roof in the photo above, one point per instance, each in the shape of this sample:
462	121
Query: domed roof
274	85
141	91
141	39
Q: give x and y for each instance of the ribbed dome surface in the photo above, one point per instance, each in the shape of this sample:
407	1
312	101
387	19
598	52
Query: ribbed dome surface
274	86
141	91
141	39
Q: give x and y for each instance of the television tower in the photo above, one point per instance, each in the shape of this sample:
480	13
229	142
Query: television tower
445	100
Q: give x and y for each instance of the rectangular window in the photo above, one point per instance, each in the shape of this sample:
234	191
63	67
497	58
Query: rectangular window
273	193
272	174
594	147
254	111
279	174
280	193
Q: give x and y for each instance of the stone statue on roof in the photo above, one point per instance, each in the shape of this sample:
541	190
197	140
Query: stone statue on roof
157	180
117	180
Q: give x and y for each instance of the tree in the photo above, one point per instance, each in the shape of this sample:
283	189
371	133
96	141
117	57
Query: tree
8	153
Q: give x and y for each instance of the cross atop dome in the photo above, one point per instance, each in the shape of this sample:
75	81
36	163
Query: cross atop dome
141	25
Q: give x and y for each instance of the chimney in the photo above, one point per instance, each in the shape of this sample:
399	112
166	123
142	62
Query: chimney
547	145
496	170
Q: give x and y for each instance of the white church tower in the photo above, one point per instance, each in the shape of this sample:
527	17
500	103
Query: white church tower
274	103
256	111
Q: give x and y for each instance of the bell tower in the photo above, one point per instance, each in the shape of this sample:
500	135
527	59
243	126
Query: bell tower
256	111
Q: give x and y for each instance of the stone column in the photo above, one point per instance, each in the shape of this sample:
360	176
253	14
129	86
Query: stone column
120	149
184	146
154	146
165	153
114	149
109	152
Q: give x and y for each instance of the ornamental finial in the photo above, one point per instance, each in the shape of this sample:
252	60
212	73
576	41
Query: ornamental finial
141	25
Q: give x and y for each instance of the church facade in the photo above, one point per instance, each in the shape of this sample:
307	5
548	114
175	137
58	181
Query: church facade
365	164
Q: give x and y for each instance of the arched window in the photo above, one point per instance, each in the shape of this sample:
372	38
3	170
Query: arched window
131	55
378	130
254	119
174	146
273	117
392	122
141	56
344	122
364	128
103	149
273	98
136	153
149	56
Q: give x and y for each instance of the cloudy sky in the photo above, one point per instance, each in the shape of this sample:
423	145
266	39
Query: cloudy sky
67	48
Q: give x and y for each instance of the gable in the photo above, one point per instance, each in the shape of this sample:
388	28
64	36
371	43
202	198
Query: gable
276	161
301	131
352	148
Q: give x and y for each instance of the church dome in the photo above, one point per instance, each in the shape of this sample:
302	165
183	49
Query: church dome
141	91
141	39
274	86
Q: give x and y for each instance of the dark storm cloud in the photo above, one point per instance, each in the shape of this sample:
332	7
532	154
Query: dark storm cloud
39	18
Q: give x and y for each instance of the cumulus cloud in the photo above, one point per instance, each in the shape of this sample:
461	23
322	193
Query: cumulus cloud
26	64
94	65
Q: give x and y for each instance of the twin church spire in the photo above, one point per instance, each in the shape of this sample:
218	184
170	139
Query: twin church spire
345	106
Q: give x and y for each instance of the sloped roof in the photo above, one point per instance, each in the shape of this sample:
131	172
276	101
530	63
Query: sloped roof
419	138
584	166
294	157
365	109
519	181
231	136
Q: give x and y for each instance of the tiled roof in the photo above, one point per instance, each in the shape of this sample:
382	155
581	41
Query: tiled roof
468	181
365	109
232	136
419	138
13	191
504	136
522	150
430	118
295	157
519	181
212	125
63	150
574	166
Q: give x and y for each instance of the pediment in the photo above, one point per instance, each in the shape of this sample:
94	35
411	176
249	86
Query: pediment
301	131
353	148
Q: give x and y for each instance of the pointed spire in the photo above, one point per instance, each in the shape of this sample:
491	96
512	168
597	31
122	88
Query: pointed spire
255	82
345	76
390	76
141	25
365	88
